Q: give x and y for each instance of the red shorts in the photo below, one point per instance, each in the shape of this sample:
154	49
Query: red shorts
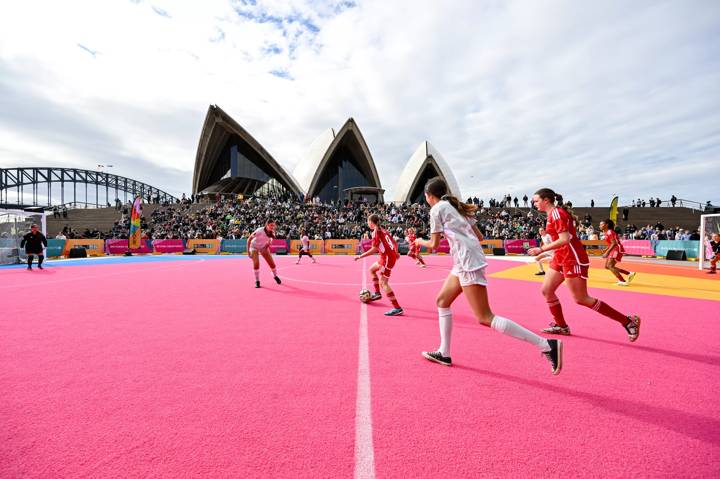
616	255
413	253
386	263
571	270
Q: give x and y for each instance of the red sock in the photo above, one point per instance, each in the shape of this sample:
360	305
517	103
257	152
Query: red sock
376	283
610	312
625	272
557	314
419	258
393	300
619	276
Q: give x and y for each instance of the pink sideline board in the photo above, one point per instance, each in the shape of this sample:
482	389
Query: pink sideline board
120	246
279	244
638	247
519	246
168	246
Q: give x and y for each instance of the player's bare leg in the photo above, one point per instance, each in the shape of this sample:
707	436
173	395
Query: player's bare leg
610	266
397	309
421	261
271	262
376	282
578	289
553	280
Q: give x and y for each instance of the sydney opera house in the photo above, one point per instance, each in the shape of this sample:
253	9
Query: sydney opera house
337	166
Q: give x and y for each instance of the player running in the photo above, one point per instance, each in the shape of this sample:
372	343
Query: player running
384	243
570	263
456	220
547	255
614	253
259	245
305	249
413	251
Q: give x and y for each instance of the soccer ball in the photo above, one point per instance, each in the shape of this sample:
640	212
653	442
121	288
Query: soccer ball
365	295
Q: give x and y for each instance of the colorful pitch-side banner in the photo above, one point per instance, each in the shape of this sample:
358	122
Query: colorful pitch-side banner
135	233
614	209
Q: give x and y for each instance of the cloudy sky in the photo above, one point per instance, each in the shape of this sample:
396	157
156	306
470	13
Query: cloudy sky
589	98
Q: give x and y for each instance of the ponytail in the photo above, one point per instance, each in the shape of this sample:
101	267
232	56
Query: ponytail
547	193
438	188
465	209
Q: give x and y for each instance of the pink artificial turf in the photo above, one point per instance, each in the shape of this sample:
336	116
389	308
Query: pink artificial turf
184	369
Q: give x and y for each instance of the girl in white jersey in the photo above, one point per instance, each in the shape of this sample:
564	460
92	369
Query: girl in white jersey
546	239
305	248
259	245
455	220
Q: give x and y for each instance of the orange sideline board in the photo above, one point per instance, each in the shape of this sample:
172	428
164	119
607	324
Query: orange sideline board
207	246
488	245
341	246
94	247
315	246
594	247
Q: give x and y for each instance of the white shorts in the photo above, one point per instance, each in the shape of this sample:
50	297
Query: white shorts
468	278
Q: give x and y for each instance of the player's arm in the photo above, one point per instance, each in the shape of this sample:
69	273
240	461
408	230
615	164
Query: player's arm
478	233
44	240
563	239
432	243
367	253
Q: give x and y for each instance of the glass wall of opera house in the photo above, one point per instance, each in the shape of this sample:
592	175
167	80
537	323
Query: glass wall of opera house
338	166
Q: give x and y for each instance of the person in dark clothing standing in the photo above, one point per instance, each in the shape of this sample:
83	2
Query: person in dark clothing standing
33	243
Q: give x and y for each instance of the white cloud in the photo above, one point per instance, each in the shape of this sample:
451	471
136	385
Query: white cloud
590	98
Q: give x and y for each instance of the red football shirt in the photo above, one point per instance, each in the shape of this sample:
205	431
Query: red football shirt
384	242
611	235
573	253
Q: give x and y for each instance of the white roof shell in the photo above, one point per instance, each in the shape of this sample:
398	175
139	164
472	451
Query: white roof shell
424	155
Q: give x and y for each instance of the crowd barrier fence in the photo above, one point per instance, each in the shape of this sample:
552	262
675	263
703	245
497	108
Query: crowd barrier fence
234	246
488	245
168	246
336	247
691	248
121	246
279	246
55	248
207	246
94	247
519	246
594	247
316	246
638	247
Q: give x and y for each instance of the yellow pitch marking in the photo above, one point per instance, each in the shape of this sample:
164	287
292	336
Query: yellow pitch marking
650	283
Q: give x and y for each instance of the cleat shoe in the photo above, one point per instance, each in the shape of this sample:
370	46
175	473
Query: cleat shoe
277	280
712	271
555	329
375	296
29	268
394	312
631	277
257	284
423	266
540	273
297	262
40	267
555	355
633	328
437	357
314	261
622	283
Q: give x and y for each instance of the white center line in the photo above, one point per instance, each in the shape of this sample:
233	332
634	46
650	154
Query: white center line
364	454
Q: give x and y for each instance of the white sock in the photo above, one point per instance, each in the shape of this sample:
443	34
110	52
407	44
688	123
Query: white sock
257	274
541	266
274	272
511	328
445	320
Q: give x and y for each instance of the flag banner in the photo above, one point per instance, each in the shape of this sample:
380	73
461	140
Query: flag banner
614	210
135	225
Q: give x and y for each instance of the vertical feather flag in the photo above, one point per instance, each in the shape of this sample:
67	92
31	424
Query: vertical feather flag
135	233
614	209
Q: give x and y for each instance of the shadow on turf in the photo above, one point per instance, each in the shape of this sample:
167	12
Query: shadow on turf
698	427
700	358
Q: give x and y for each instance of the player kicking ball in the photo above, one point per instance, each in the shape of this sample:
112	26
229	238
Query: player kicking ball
259	245
383	243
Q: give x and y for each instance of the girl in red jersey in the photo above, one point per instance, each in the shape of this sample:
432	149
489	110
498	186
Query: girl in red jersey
456	221
570	263
259	245
382	242
414	250
614	253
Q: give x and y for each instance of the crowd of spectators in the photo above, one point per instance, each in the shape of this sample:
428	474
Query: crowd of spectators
231	218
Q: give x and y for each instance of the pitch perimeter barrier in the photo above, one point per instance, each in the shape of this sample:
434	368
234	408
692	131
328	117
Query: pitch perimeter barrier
341	246
207	246
638	247
316	246
488	245
594	247
365	244
55	248
168	246
519	246
691	248
279	246
94	247
120	246
232	246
